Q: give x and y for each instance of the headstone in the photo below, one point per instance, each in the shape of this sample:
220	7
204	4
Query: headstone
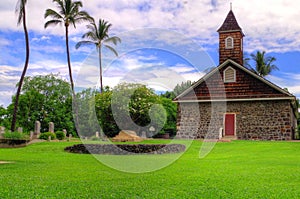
37	128
2	131
51	127
65	132
70	137
20	130
97	134
144	134
31	135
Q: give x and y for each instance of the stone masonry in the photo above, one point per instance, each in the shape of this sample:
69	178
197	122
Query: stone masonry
255	120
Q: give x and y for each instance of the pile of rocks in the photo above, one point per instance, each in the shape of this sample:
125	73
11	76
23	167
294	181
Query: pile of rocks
127	136
126	149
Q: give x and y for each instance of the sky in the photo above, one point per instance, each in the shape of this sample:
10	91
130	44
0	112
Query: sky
164	42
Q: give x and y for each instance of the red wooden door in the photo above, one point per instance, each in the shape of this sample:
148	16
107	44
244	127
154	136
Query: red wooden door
229	124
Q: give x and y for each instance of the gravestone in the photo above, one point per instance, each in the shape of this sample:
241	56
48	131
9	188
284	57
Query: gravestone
31	135
37	130
97	134
51	127
144	134
20	130
65	132
2	131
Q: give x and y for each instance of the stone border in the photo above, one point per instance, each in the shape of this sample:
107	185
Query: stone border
5	162
126	149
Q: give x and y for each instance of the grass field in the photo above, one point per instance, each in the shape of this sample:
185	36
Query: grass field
239	169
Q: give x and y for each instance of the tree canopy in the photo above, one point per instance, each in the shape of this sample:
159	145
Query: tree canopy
45	99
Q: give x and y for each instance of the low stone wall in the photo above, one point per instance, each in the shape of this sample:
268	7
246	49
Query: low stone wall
10	143
126	149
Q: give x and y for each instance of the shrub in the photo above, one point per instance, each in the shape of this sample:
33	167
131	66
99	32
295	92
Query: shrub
45	136
94	138
60	135
15	135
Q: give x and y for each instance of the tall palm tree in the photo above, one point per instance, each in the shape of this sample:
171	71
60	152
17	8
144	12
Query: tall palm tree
263	64
68	14
21	10
98	35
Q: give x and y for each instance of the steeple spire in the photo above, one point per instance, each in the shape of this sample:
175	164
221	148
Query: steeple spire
230	39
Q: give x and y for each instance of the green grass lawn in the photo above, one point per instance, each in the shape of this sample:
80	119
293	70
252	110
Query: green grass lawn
239	169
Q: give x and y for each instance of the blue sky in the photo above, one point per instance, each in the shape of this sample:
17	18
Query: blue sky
163	42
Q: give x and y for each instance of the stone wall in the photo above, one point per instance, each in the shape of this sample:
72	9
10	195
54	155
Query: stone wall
258	120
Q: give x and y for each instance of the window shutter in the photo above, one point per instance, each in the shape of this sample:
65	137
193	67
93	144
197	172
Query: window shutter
229	75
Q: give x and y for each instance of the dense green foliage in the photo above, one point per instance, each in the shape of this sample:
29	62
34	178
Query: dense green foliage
134	107
239	169
45	136
15	135
45	99
60	135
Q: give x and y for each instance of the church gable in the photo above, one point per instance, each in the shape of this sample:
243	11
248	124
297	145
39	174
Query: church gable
232	81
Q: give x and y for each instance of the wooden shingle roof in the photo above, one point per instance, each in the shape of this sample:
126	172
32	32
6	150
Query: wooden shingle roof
230	24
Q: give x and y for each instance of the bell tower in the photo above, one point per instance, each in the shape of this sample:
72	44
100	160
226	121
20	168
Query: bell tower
230	40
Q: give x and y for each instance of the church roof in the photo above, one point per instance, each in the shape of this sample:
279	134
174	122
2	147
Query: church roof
230	24
248	87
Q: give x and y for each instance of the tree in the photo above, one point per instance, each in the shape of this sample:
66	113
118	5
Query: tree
179	88
98	36
3	117
68	14
263	64
21	10
134	106
45	99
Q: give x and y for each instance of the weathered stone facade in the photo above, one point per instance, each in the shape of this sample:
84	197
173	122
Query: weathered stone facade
255	120
251	106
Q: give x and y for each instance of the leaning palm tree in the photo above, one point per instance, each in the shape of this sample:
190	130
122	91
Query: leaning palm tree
68	14
98	36
263	64
20	9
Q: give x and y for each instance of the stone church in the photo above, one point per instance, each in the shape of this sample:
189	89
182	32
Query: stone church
232	101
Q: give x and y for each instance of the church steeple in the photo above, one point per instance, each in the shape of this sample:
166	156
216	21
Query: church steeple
230	40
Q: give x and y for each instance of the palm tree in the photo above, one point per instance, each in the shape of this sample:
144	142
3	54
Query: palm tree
98	35
21	10
263	64
68	14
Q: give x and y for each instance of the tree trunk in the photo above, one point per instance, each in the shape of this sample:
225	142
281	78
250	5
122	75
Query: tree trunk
14	119
100	65
71	80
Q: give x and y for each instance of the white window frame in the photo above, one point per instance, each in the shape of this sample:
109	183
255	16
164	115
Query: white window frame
234	75
227	42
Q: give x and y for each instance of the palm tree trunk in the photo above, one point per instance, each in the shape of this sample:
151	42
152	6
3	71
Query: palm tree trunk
14	119
100	65
71	80
68	57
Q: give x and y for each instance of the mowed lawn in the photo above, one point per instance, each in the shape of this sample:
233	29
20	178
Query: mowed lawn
238	169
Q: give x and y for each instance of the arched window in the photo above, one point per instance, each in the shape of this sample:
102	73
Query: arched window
229	75
229	42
